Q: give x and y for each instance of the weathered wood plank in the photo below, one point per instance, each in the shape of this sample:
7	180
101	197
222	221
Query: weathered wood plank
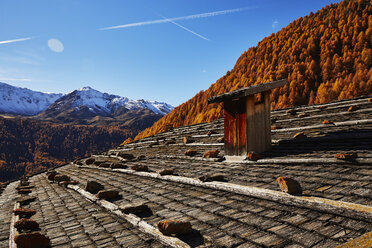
258	124
341	123
242	133
13	231
267	122
204	135
84	193
333	105
229	142
108	205
251	136
259	127
200	144
328	138
310	161
167	157
324	116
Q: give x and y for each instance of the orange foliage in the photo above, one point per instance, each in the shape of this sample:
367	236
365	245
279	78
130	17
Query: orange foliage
28	146
325	56
127	141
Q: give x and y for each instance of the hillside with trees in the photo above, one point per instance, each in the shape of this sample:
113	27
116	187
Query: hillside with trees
28	146
325	56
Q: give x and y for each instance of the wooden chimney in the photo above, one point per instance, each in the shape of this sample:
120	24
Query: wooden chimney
247	118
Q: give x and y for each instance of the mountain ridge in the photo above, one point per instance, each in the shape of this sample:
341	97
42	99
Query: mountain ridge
23	101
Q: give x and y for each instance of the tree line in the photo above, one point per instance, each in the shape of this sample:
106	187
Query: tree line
28	146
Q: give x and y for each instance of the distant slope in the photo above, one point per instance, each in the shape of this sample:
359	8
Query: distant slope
325	56
28	145
22	101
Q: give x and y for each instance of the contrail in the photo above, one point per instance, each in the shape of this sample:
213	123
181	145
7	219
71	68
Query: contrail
204	15
188	30
16	79
16	40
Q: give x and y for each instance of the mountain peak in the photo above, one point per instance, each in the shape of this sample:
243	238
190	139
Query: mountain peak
86	88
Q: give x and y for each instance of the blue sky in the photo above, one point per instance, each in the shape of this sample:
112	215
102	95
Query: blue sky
61	45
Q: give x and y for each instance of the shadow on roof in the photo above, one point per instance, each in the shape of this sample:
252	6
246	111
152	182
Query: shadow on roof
193	239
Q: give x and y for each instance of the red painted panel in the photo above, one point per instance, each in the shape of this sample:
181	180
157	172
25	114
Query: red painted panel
235	127
229	131
242	124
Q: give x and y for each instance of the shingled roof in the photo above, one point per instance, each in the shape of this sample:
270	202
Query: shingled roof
251	90
244	208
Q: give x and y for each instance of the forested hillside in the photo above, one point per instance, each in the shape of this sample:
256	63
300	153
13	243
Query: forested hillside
28	146
325	56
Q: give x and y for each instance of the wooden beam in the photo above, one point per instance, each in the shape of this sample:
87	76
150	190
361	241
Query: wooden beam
341	123
333	105
330	160
308	161
13	231
205	135
167	157
327	137
137	222
248	91
84	193
328	116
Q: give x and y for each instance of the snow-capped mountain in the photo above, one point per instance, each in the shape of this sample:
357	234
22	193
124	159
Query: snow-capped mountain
22	101
104	104
84	102
99	102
